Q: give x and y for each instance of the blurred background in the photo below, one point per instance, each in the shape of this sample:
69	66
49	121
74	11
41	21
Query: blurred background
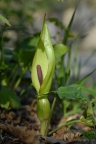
26	20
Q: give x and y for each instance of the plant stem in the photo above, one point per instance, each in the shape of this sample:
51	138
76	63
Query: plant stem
64	108
13	75
43	127
2	49
65	124
68	68
19	79
53	104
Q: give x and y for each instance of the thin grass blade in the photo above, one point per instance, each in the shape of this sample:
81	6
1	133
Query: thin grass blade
67	31
87	76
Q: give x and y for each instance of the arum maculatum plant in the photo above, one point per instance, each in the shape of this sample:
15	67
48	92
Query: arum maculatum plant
43	67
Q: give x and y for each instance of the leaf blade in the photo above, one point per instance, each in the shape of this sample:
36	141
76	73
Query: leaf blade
4	20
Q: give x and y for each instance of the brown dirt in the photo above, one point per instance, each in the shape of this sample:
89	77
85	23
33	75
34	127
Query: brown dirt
21	126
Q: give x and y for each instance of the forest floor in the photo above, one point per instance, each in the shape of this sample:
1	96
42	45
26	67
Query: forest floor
21	126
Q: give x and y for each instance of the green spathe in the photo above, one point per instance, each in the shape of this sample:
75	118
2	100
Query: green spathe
44	57
43	67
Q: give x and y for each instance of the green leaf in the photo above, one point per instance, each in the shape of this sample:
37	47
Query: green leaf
87	121
60	50
71	92
89	134
4	20
30	42
88	90
8	98
75	91
88	117
3	66
25	55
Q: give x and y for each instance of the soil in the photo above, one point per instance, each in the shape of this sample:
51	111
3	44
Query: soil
21	126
